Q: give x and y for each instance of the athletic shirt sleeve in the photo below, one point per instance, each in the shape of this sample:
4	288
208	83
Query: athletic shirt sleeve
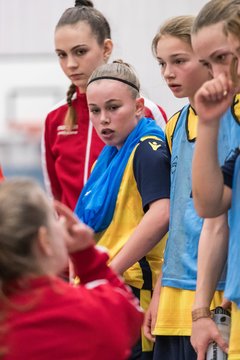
1	174
151	167
228	168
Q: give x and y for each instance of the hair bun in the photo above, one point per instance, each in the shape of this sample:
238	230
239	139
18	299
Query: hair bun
84	3
120	61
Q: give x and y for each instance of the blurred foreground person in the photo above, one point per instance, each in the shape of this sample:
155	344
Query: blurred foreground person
41	316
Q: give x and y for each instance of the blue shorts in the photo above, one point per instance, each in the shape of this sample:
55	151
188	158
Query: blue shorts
173	348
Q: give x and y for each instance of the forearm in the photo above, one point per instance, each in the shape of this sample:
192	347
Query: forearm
212	255
109	290
151	229
157	287
151	314
90	264
207	175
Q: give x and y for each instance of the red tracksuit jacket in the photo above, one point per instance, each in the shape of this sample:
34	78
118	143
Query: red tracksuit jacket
49	319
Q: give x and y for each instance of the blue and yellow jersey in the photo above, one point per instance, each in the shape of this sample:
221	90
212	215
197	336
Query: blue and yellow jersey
191	126
192	121
130	209
180	259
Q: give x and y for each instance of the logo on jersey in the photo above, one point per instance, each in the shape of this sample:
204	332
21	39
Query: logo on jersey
62	130
154	145
174	163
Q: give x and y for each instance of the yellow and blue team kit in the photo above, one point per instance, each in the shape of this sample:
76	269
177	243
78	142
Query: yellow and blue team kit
180	258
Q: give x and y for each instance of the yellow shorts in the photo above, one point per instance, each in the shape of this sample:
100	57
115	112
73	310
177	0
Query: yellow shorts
175	311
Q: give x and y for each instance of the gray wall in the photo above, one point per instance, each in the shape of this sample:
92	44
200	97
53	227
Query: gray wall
31	78
27	27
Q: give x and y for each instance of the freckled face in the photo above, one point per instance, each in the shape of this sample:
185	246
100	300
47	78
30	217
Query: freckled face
113	110
180	66
212	48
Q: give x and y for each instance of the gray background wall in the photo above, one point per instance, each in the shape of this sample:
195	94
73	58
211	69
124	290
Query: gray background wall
31	79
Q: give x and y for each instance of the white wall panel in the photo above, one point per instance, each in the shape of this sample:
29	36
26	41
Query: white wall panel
31	79
27	27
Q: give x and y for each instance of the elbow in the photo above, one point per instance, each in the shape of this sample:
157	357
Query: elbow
159	212
206	209
166	222
204	213
165	216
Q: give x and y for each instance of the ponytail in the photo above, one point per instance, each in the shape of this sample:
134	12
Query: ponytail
71	116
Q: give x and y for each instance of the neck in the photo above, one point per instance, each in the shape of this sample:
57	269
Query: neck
191	101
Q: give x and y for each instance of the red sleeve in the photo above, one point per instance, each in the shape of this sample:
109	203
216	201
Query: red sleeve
48	164
163	113
1	174
148	112
155	112
91	266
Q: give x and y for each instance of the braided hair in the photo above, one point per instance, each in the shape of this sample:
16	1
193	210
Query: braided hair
83	11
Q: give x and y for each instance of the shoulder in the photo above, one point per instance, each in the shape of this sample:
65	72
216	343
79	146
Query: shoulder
150	150
152	143
170	127
61	107
58	105
151	169
190	119
56	113
172	121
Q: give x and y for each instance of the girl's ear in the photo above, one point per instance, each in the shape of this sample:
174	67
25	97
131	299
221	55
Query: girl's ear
139	106
107	49
44	243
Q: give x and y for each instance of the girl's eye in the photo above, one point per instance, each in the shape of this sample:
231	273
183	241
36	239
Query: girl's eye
161	64
94	111
80	52
221	58
113	107
61	55
180	61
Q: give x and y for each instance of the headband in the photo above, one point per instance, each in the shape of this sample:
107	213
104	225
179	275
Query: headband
114	78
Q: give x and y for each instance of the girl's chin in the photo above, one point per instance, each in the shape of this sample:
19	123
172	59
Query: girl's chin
178	95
